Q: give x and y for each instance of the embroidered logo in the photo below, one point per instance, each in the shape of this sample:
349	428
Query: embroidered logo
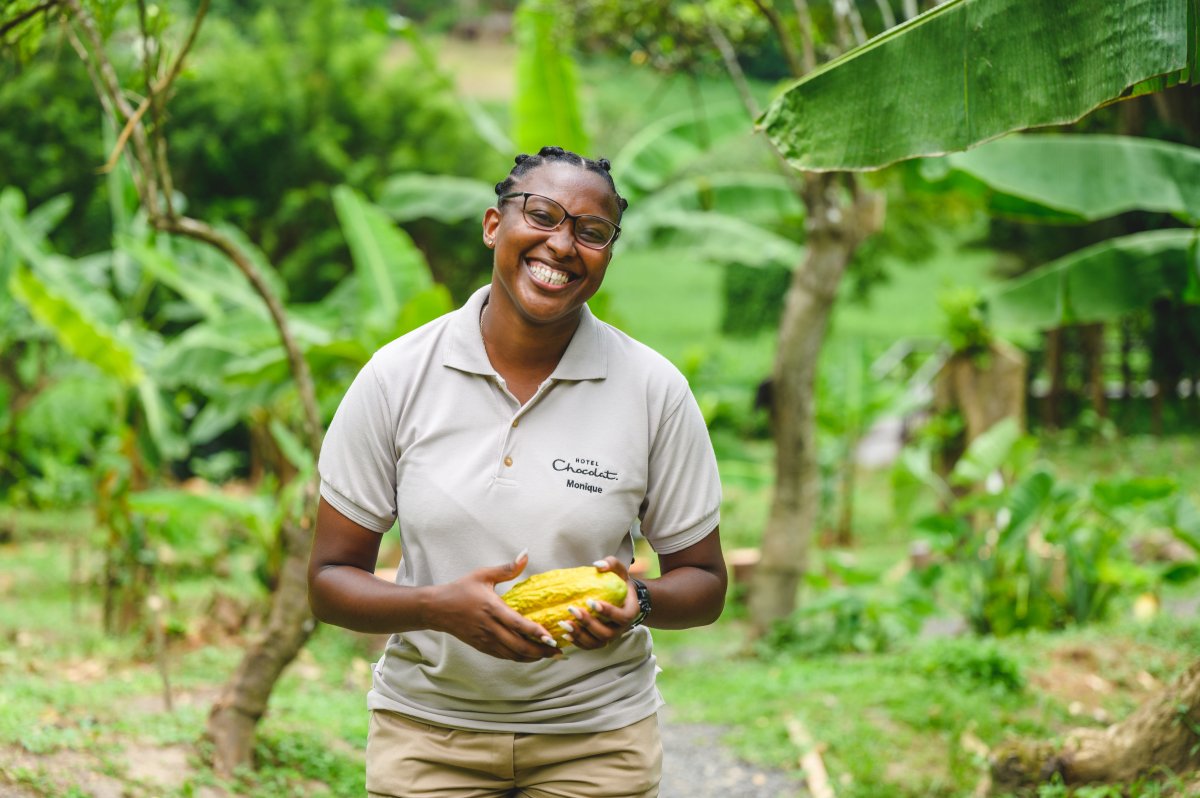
583	467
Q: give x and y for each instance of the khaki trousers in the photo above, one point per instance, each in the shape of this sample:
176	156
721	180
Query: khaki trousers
410	759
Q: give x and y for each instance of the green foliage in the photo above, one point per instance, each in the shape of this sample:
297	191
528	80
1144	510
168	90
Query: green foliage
967	71
1103	282
1087	177
1033	551
546	107
674	37
965	327
753	297
979	664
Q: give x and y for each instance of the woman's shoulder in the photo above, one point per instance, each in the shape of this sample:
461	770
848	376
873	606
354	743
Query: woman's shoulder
629	356
399	355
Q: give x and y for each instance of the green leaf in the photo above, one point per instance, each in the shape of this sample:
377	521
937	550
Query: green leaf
968	71
79	333
1099	283
986	453
442	197
1114	494
389	267
764	199
1090	176
657	153
713	237
546	104
169	443
1027	501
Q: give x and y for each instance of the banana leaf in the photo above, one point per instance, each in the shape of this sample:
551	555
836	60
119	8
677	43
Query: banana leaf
442	197
388	265
1099	283
713	237
657	153
758	198
968	71
1089	176
546	106
75	328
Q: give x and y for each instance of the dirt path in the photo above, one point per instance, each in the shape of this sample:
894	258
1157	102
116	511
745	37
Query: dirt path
697	765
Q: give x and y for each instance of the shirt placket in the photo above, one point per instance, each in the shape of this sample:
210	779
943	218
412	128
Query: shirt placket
506	469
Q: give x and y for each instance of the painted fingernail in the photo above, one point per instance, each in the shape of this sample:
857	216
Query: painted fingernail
592	605
565	626
578	613
568	638
550	641
523	553
600	564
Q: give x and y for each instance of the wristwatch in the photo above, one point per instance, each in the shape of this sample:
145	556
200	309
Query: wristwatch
643	599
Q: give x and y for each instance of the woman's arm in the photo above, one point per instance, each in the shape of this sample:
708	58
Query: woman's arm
343	590
690	592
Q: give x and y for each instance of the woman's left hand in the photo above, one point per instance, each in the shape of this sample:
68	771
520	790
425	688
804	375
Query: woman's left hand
598	623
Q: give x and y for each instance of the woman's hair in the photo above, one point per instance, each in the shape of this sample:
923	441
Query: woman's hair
527	163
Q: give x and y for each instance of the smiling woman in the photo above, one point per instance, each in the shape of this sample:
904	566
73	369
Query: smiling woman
519	422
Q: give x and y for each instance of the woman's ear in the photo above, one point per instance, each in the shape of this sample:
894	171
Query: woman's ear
491	224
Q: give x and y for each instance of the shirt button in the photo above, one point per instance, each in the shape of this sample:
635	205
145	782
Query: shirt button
516	421
508	461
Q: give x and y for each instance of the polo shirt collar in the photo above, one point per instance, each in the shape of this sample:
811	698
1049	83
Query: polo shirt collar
586	357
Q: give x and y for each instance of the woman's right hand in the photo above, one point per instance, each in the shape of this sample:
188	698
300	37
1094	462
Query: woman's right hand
469	609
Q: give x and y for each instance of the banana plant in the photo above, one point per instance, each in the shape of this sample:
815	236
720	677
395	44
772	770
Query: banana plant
1079	178
968	71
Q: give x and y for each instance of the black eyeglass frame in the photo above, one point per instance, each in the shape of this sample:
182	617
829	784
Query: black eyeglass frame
525	195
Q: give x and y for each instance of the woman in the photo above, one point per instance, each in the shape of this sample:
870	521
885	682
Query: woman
519	423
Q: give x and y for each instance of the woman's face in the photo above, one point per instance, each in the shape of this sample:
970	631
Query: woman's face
547	275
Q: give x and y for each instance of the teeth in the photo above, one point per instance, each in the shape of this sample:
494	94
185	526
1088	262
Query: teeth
547	275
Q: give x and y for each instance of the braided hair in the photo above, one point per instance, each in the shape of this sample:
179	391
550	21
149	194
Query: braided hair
527	163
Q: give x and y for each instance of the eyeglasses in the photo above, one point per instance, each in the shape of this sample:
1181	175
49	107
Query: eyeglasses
593	232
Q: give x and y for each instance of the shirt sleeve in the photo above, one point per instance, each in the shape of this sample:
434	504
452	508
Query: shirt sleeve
683	491
358	456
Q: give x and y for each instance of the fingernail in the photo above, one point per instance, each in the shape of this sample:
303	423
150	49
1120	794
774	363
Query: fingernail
566	627
524	553
578	613
600	564
592	605
550	641
568	638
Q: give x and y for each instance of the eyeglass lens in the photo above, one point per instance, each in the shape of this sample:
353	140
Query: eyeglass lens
546	214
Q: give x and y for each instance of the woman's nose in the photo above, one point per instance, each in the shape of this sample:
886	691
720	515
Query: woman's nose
562	238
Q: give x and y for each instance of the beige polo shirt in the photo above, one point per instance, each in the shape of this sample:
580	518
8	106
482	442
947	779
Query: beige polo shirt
429	435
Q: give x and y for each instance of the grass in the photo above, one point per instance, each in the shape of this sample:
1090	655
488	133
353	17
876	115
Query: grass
83	709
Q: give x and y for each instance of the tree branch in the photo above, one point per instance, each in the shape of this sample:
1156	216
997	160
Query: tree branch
107	77
200	231
804	16
158	88
785	41
25	16
734	68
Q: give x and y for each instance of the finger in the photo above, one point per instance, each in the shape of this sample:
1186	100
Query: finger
614	565
507	571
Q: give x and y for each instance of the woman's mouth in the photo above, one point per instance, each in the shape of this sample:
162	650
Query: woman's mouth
544	274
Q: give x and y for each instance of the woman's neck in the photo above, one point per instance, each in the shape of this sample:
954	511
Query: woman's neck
523	353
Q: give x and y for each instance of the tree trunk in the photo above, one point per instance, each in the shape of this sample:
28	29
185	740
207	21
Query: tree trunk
1161	737
236	712
1051	415
1093	353
834	232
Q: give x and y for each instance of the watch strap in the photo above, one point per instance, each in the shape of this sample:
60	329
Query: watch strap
643	599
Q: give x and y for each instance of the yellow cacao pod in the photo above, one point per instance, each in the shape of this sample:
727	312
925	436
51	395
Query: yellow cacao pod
544	598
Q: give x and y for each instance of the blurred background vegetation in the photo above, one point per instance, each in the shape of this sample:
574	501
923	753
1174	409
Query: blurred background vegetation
1034	579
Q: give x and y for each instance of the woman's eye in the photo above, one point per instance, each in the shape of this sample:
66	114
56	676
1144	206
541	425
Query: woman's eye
541	217
591	236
